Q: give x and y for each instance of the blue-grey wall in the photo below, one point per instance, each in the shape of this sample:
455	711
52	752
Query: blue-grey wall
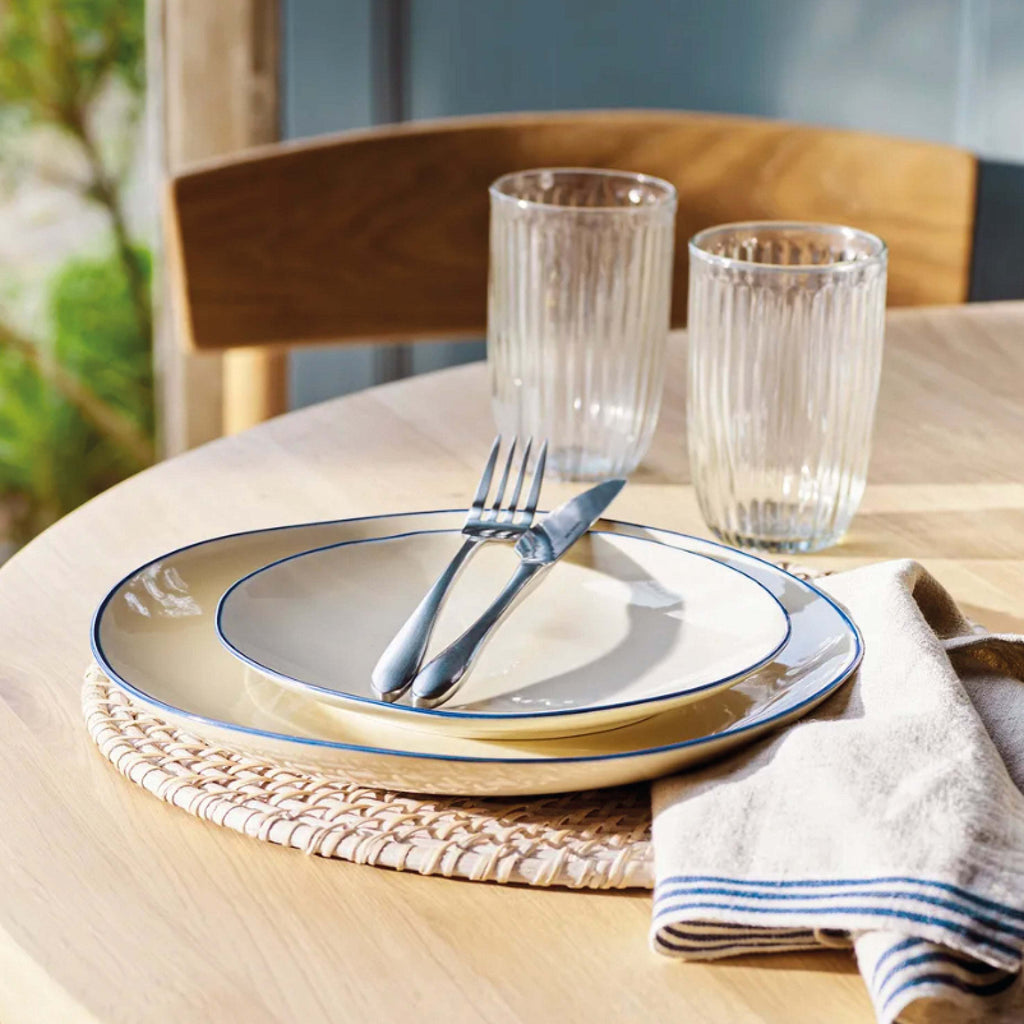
326	78
948	70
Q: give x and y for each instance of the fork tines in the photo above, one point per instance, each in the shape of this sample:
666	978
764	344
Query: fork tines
507	519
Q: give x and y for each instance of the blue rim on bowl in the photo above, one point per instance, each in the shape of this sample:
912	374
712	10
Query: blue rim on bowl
758	721
403	709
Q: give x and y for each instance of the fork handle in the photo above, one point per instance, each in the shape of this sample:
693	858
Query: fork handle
440	678
402	657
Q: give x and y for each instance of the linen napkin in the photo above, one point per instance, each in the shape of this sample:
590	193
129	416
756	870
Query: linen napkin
891	819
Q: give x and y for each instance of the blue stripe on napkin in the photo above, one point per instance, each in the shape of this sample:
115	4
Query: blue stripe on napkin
939	981
906	968
706	941
930	957
837	883
939	911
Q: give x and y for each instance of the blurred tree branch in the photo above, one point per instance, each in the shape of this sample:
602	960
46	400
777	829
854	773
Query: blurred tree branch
76	411
114	425
57	57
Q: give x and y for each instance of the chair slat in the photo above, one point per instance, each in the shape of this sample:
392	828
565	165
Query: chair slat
382	233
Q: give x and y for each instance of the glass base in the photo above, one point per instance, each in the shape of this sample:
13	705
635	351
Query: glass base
573	463
778	545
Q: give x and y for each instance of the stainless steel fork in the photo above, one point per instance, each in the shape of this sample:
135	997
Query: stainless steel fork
401	659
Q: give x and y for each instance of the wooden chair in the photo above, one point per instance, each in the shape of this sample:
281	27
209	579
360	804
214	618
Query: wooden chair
382	234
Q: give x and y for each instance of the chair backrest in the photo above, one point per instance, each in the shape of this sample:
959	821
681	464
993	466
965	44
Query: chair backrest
382	233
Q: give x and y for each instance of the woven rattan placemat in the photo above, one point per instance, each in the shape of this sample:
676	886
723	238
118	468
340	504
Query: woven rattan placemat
595	840
599	839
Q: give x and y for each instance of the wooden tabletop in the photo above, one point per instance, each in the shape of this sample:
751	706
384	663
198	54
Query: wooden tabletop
116	908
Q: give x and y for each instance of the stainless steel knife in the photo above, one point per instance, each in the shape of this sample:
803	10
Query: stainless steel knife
538	549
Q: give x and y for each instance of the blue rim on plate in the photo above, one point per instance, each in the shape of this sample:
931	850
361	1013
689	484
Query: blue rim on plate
758	721
490	716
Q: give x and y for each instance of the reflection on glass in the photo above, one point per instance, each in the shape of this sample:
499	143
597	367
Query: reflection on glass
578	313
785	332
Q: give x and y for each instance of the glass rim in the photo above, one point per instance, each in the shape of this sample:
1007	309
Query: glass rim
668	197
879	250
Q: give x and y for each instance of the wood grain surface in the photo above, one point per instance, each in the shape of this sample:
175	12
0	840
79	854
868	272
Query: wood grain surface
115	908
382	233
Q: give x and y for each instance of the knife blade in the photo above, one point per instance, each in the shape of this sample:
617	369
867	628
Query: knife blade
538	549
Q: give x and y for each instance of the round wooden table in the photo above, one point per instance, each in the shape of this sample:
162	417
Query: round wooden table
115	907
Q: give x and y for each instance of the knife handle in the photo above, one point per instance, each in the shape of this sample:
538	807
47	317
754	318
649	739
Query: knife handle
440	678
402	657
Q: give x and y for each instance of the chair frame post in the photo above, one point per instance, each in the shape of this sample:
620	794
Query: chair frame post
203	397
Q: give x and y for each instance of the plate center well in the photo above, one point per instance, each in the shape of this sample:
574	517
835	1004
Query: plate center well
619	619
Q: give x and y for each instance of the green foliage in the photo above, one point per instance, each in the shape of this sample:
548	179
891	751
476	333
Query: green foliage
76	412
57	54
26	402
97	335
51	457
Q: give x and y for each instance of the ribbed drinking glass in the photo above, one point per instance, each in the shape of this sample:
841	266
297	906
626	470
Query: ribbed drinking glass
578	313
786	323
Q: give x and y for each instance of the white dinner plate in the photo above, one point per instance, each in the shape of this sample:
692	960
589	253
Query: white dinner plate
620	629
154	636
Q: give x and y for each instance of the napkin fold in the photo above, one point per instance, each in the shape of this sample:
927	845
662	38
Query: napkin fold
891	819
